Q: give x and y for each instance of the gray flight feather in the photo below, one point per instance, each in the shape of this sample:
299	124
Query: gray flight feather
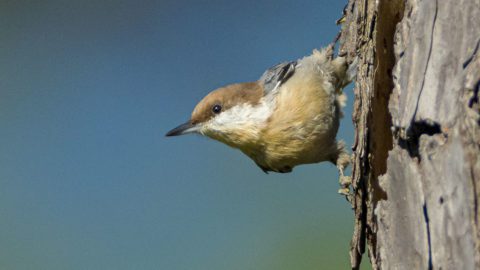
277	75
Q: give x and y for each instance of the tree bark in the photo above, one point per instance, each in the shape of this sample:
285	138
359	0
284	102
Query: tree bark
416	153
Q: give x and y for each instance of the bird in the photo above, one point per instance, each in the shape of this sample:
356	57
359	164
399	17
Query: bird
288	117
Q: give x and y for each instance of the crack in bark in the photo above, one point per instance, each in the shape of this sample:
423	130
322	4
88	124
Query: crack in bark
474	98
472	56
427	222
475	199
428	61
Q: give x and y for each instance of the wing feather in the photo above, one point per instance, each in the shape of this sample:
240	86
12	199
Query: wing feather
277	75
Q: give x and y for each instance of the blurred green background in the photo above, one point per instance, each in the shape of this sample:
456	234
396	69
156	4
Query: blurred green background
87	178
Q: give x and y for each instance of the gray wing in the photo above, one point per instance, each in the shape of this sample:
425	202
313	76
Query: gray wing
277	75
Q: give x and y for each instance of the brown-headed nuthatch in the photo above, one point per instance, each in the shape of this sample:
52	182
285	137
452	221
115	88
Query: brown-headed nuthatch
290	116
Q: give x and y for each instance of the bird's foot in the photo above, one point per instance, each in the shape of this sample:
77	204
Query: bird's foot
344	191
345	182
342	160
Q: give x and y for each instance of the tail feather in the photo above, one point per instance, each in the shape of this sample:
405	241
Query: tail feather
344	72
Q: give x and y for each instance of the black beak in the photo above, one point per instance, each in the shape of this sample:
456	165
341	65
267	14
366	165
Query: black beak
185	128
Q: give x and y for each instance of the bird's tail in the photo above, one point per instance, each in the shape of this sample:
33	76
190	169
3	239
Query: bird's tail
344	72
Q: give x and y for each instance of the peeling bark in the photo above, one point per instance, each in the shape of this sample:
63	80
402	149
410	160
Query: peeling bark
416	153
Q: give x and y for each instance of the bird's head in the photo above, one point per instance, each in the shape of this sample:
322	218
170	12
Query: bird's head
230	114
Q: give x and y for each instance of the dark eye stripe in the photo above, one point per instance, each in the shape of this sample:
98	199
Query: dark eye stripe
216	108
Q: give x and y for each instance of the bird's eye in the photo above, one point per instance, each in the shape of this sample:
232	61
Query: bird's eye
216	108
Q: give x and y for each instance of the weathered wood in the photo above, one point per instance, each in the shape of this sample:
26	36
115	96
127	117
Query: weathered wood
416	160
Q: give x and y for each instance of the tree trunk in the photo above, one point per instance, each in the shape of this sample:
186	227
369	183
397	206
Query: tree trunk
416	154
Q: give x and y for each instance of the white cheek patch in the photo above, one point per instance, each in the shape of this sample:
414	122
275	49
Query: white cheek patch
243	116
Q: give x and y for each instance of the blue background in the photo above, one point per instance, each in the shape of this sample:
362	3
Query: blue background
87	178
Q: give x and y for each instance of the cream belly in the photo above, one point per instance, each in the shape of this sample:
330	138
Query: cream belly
303	126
